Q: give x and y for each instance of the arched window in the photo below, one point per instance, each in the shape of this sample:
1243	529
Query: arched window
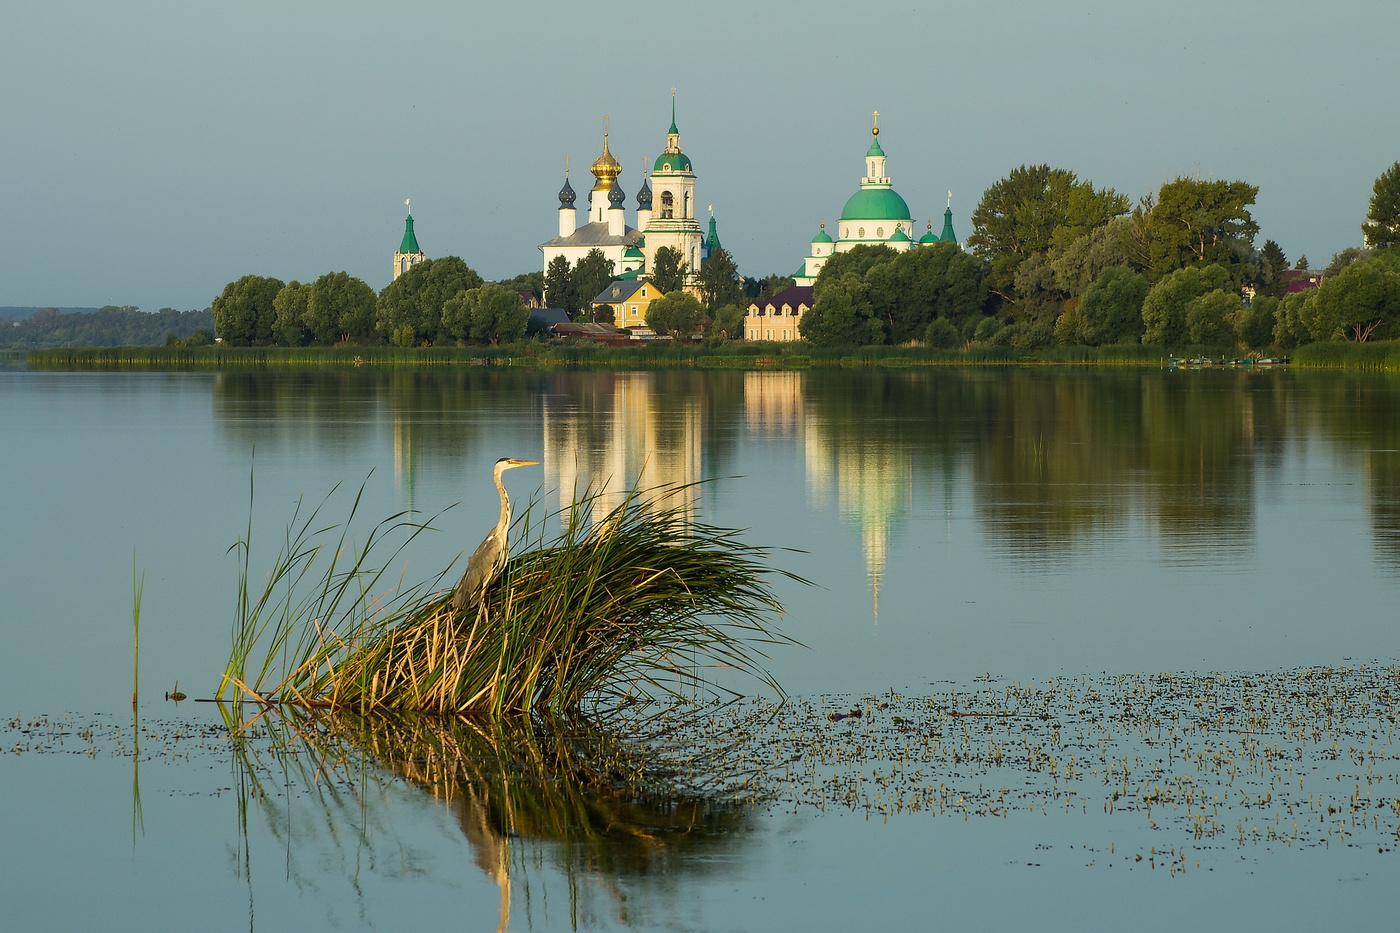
668	205
861	233
880	232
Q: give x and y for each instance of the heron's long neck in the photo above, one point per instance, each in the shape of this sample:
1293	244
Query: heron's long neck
504	523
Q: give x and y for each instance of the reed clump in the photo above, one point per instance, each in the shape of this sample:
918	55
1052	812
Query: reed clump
632	605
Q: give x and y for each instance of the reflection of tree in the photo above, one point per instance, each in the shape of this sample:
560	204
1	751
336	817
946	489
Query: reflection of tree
1357	413
601	810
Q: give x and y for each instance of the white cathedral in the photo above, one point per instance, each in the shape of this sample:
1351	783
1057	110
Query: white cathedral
665	215
874	215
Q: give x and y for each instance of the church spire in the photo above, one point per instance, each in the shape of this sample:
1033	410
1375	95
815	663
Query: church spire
409	255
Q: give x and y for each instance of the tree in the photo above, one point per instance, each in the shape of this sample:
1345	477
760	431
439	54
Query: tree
490	314
719	281
841	315
1210	318
592	274
1200	223
1272	264
1111	308
1164	310
729	323
410	307
1254	323
559	288
910	290
290	305
677	314
1382	226
668	273
1029	210
340	307
244	314
1359	303
1343	258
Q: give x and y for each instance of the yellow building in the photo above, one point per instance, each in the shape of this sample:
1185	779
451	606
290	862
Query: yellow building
629	300
778	317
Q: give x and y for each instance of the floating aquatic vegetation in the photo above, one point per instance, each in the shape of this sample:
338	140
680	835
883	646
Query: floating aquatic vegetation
1283	759
636	604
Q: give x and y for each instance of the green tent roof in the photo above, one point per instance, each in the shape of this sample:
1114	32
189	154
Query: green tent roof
410	242
874	149
876	204
947	236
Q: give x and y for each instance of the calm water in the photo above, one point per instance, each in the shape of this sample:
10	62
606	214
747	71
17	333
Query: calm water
962	527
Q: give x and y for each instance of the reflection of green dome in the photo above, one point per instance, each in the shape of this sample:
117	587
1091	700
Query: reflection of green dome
876	204
671	162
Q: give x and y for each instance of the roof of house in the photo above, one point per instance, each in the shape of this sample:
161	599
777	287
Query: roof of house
595	234
621	290
793	295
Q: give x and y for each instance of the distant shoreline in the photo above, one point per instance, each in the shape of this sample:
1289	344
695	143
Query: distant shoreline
1371	356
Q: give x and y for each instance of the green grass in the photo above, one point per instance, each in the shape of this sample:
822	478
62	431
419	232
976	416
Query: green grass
1373	355
635	606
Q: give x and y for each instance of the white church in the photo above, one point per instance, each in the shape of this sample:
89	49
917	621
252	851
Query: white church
665	215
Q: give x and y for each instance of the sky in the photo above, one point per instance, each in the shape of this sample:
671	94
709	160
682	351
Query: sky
151	152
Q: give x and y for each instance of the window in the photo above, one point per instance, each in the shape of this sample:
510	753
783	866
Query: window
880	232
634	310
861	233
668	205
644	291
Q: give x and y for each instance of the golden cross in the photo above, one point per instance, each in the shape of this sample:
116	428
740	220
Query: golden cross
875	116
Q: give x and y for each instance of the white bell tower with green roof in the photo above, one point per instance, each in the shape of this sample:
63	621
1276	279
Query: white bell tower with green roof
672	221
409	255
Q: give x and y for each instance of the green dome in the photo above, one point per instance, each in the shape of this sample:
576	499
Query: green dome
876	204
929	237
874	149
671	162
899	236
632	253
822	236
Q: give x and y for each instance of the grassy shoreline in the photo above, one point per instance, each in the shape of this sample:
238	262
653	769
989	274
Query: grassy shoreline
1376	356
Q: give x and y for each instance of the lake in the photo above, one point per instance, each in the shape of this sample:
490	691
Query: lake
1122	647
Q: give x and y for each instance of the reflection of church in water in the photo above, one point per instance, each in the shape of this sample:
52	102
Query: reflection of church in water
871	480
632	435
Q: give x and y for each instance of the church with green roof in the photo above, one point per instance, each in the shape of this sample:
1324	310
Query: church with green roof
874	215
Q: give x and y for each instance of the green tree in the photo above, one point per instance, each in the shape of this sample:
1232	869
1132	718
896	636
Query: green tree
1200	223
677	314
1111	308
244	314
1290	329
290	304
1029	210
668	273
1210	318
1254	323
341	307
1358	303
942	334
410	307
592	274
1272	264
729	323
1164	310
559	288
492	313
719	281
911	289
1382	226
1343	258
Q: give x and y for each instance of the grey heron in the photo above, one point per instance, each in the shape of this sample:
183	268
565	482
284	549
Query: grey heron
490	555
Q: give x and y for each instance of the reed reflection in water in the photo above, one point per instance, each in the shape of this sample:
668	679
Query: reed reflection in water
607	814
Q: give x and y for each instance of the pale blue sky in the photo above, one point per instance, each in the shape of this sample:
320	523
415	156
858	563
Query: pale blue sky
152	151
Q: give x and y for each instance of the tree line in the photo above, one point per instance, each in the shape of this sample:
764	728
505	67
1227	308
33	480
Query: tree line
110	326
1055	260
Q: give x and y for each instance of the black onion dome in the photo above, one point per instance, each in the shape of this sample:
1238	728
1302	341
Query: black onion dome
644	197
566	194
616	196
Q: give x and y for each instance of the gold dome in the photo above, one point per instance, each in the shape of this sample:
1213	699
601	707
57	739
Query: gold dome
605	168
